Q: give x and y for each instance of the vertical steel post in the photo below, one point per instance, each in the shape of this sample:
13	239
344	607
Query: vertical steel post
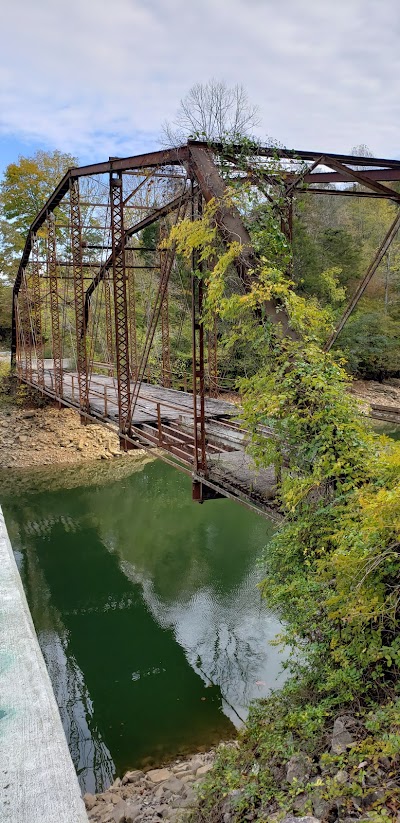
79	295
18	336
37	312
212	360
54	305
26	327
198	357
132	313
109	324
120	300
165	340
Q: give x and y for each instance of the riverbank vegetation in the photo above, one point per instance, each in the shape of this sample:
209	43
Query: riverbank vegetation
332	569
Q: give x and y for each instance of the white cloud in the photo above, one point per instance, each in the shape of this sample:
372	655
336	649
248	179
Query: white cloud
98	78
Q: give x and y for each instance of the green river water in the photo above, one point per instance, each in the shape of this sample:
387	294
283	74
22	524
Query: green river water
146	607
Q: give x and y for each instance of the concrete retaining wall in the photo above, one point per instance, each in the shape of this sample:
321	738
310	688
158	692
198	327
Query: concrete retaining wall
38	783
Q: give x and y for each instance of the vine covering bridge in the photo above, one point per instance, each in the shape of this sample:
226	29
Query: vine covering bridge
108	322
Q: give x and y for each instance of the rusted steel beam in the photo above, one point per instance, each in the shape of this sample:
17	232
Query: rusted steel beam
164	157
232	228
80	326
18	338
390	175
28	328
299	154
120	300
383	248
300	177
199	431
25	330
343	193
165	341
213	360
132	312
363	180
54	306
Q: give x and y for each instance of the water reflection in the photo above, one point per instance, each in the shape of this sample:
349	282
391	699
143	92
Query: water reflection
147	612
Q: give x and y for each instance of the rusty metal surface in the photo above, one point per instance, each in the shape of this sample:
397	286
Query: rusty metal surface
165	339
120	300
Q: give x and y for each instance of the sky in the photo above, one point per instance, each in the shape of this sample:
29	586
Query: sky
98	77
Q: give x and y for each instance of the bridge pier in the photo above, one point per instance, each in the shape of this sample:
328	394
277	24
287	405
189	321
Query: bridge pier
202	492
126	445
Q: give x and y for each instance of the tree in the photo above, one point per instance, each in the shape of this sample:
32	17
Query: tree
212	111
25	187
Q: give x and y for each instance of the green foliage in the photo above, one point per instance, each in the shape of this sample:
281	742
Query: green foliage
371	342
25	187
332	569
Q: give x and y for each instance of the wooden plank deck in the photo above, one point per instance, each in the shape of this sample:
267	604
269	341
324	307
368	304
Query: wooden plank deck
173	403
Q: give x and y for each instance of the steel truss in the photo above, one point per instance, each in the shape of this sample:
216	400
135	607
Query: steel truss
94	238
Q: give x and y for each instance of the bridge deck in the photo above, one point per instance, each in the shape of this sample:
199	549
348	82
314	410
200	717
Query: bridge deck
164	418
173	403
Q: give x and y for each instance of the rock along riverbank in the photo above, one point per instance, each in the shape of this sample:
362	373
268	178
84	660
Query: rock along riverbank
167	793
47	436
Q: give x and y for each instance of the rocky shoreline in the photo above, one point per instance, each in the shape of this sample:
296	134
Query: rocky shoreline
48	435
167	793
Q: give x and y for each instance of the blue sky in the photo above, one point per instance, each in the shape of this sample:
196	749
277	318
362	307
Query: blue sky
98	79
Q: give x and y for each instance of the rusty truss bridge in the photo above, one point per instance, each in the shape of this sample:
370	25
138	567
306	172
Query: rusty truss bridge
107	322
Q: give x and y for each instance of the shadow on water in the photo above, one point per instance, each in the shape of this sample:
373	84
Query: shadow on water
146	608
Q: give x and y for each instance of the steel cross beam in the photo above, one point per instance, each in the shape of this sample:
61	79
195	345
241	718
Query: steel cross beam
363	180
120	300
80	327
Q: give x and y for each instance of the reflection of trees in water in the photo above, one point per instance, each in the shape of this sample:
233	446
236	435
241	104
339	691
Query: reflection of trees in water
152	522
92	760
227	640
